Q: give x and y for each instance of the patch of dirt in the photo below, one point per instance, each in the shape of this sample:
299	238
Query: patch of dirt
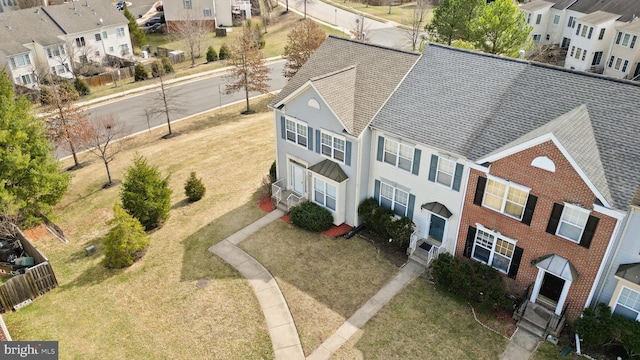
498	320
336	231
392	252
36	233
266	204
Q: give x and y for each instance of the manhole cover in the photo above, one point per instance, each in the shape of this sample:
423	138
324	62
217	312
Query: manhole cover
201	284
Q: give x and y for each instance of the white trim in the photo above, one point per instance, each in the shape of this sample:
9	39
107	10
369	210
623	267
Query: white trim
616	214
472	165
297	122
538	285
453	174
393	200
4	329
496	236
400	144
326	182
617	302
508	185
428	226
333	148
537	141
560	221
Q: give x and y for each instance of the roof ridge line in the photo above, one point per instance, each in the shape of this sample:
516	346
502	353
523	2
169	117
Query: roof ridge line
374	45
323	76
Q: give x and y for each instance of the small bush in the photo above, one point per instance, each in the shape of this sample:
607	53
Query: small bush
125	242
273	177
140	73
156	68
212	55
81	87
224	52
45	95
400	230
473	282
311	216
375	218
167	65
194	188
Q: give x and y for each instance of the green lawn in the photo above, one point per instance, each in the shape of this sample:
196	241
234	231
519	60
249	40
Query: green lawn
397	13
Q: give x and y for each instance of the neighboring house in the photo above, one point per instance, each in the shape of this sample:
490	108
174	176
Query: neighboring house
585	28
624	56
210	13
321	119
56	40
549	154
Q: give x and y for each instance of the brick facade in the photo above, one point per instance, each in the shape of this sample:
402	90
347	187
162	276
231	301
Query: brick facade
563	185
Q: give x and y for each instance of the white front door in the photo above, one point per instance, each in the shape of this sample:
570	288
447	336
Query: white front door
297	178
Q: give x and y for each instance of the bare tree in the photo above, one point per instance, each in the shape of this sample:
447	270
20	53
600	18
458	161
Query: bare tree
248	69
191	31
67	123
413	22
360	28
266	13
168	101
26	4
304	3
305	37
108	138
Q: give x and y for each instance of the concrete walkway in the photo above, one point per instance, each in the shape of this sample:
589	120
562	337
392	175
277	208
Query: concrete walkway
282	329
409	272
521	345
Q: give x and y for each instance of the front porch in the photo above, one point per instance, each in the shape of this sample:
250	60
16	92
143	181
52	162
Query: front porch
422	250
284	198
539	320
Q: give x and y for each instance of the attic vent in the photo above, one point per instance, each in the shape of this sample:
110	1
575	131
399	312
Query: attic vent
544	163
313	103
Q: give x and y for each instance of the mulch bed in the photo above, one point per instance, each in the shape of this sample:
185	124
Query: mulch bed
36	233
499	321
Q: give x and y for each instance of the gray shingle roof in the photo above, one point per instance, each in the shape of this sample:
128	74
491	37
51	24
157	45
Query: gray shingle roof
338	89
378	70
536	5
598	17
330	170
85	18
629	272
562	4
25	26
472	104
627	8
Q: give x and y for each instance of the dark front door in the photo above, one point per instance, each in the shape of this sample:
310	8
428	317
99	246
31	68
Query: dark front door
551	288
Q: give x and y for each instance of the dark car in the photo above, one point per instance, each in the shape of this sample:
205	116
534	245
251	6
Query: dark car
160	8
120	5
153	28
153	21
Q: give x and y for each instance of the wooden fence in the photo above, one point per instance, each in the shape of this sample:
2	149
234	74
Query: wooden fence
35	282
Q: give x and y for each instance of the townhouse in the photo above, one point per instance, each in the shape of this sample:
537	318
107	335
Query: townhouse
207	13
57	40
525	167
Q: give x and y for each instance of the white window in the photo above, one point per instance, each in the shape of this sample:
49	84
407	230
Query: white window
625	40
104	34
296	132
445	172
20	61
60	69
187	4
120	32
572	22
124	49
110	49
584	31
26	79
538	19
505	197
80	41
397	154
618	62
324	194
332	146
493	249
628	304
578	53
601	36
537	37
206	12
556	19
572	222
394	199
98	37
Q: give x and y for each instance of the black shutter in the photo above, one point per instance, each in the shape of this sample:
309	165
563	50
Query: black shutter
376	191
380	148
457	177
416	161
433	167
554	220
482	183
468	246
310	138
515	262
412	203
283	128
347	154
318	146
528	210
589	230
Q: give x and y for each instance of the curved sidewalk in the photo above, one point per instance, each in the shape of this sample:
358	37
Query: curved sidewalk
282	329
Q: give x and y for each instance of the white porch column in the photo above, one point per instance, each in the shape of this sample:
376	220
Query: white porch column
537	285
563	296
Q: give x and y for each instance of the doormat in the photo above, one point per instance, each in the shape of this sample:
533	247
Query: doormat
425	246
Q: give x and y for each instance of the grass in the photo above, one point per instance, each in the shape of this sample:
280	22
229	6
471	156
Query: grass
324	280
381	13
154	309
422	323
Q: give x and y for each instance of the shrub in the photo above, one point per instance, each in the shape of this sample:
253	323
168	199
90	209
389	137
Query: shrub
194	188
81	87
140	73
473	282
211	54
400	230
374	217
224	52
67	91
167	65
311	216
273	177
598	327
45	95
145	194
125	242
156	68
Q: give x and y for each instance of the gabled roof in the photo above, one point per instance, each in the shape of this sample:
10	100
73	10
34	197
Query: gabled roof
536	5
633	26
86	15
377	70
472	104
629	272
21	27
574	132
558	266
628	9
598	17
562	4
338	90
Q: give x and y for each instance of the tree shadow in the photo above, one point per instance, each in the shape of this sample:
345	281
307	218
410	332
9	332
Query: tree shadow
182	203
94	275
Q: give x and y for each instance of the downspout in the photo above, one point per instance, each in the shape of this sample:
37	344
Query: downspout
604	260
359	165
615	253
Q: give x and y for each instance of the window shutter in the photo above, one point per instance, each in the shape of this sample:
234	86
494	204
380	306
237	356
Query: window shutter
554	220
310	138
515	262
528	210
433	167
376	191
416	161
283	127
457	178
318	141
482	183
589	231
412	203
380	148
468	245
347	154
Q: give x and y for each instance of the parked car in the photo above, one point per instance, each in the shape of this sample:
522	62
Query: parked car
120	5
153	28
160	7
153	20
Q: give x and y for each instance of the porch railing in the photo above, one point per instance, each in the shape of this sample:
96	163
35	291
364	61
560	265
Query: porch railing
276	191
555	322
433	253
413	241
294	199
